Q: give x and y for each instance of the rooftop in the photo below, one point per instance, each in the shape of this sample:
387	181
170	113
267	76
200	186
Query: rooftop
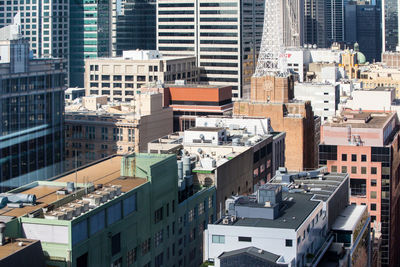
104	172
348	218
195	85
319	183
361	119
205	129
259	253
14	245
296	207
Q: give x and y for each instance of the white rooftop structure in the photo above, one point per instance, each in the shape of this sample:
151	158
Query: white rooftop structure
348	218
141	54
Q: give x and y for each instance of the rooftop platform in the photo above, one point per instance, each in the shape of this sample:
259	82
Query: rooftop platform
296	208
104	172
357	119
348	218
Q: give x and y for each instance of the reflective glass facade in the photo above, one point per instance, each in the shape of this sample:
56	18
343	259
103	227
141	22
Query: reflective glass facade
136	26
31	121
390	25
90	35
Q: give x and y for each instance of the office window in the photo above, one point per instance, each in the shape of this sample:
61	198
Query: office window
344	169
353	157
363	158
244	239
132	256
373	206
146	246
353	169
158	215
115	244
218	239
363	170
373	194
288	242
373	170
373	182
344	157
373	218
333	168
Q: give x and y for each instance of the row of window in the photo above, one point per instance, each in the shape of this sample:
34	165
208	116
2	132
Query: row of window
354	157
354	169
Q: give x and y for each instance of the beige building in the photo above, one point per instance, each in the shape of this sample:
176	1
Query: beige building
380	76
95	129
119	78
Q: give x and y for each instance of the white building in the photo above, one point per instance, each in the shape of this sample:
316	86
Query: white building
299	60
252	126
290	218
324	97
378	99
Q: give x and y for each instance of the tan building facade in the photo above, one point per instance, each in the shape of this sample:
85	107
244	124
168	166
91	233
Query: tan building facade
379	76
271	97
120	78
119	129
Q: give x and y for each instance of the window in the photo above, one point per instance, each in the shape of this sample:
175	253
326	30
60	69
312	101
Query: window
373	194
353	169
158	261
373	170
373	182
288	242
353	157
115	244
158	238
373	218
333	168
363	170
344	169
244	239
158	215
146	246
218	239
373	206
132	256
363	158
344	157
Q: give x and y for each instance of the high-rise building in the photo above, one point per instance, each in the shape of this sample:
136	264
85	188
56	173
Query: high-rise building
135	26
224	36
334	21
314	22
390	25
32	107
366	145
363	26
91	25
43	23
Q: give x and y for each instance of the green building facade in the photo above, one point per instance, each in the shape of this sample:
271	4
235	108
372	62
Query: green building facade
145	226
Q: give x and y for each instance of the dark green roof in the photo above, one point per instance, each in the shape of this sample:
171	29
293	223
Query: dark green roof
253	251
292	213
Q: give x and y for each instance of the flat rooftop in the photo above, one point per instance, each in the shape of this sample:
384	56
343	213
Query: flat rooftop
194	85
12	246
296	208
204	129
349	218
320	184
356	119
105	172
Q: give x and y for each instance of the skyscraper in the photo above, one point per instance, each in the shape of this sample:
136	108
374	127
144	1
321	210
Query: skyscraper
32	107
224	36
314	22
90	35
334	21
135	26
390	25
43	22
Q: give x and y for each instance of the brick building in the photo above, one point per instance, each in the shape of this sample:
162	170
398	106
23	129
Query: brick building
367	146
271	97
